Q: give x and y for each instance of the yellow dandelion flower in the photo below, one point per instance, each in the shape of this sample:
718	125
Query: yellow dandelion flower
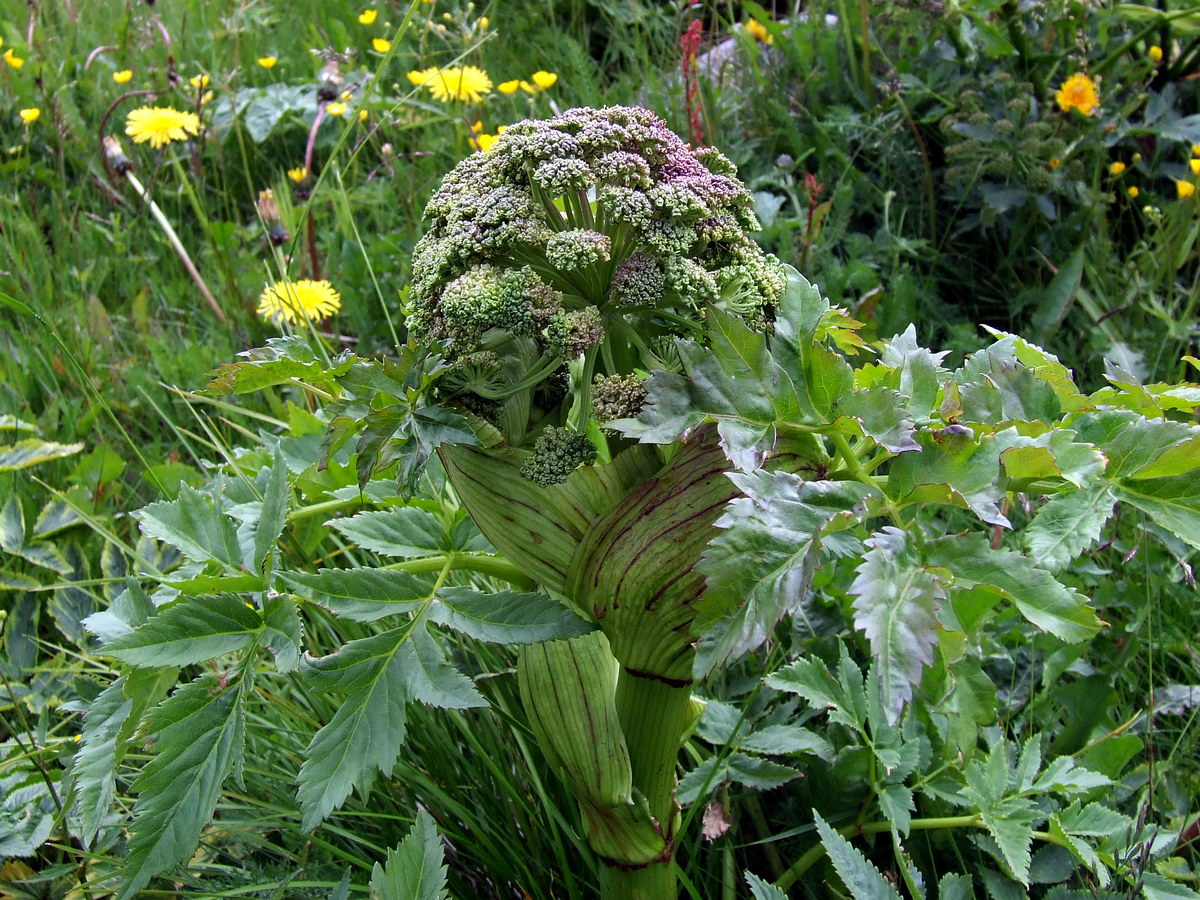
267	62
1155	54
759	32
1055	163
368	16
29	116
380	45
294	301
297	174
199	81
1078	92
123	77
1184	189
422	77
485	141
467	83
336	109
1117	169
160	125
12	59
1195	165
544	79
1132	191
509	87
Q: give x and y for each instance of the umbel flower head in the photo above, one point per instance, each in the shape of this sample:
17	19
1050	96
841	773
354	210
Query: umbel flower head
160	125
578	246
1078	92
298	301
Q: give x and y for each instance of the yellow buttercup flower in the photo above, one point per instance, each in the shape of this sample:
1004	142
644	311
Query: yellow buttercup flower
12	59
294	301
367	16
1155	53
207	98
509	87
759	32
31	115
1195	149
1116	169
267	62
544	79
336	109
160	125
297	174
482	23
1055	163
199	81
380	45
1195	165
362	115
1184	189
345	96
467	83
1132	191
485	141
123	77
527	87
1078	92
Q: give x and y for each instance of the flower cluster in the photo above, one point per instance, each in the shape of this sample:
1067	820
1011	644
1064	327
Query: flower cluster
586	242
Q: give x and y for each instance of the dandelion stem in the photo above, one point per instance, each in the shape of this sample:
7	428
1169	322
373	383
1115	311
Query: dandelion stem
173	239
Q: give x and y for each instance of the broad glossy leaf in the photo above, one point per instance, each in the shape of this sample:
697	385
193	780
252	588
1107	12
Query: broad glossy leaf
191	630
881	413
896	607
415	870
1041	598
363	594
1132	443
760	565
1067	524
402	531
956	468
197	738
506	617
796	320
1052	455
190	523
916	372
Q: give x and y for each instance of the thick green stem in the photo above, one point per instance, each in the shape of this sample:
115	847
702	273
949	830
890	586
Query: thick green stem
654	716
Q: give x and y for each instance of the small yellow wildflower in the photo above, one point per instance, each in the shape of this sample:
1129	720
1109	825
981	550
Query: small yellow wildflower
207	98
1132	191
467	83
345	96
422	77
500	129
544	79
1117	169
1055	163
509	87
1195	149
267	62
485	141
292	301
160	125
297	174
123	77
336	109
527	87
199	81
380	45
1184	189
1195	165
368	16
31	115
1155	54
1137	158
482	23
759	32
1078	92
12	59
362	115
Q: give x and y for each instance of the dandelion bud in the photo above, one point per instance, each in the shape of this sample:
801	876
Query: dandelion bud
115	154
330	83
268	211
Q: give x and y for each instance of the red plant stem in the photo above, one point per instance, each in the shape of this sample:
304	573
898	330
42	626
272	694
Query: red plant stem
689	43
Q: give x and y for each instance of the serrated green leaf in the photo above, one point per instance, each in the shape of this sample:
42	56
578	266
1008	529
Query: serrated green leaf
282	631
810	679
402	531
797	318
954	467
56	516
955	887
778	740
861	878
189	631
12	525
1172	503
283	360
190	523
32	452
273	515
1054	454
737	768
366	733
94	771
760	565
896	607
506	617
763	890
881	414
1067	524
1008	819
197	738
827	384
430	679
363	594
1159	887
1041	598
1129	441
415	870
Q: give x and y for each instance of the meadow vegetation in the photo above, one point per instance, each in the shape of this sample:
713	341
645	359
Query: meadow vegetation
262	638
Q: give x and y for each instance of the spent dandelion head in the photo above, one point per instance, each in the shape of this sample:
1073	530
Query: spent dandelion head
160	125
124	76
1078	92
114	153
297	301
